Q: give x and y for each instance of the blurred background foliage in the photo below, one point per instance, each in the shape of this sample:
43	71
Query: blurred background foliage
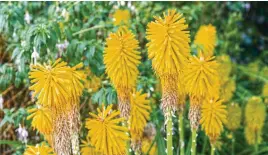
76	31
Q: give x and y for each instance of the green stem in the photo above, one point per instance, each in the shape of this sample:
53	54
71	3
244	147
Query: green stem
233	144
169	135
89	29
137	153
205	141
128	152
194	135
181	132
212	150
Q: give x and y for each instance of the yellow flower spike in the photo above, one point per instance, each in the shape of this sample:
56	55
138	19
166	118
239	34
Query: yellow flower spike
201	77
168	48
264	71
254	68
42	120
87	148
255	113
206	39
253	137
213	116
121	59
41	149
227	90
234	116
121	17
265	93
168	45
225	67
105	133
140	113
93	83
50	84
76	85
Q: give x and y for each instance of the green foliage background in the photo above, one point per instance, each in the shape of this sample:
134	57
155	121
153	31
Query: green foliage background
241	32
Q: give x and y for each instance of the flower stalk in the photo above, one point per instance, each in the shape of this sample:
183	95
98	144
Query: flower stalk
169	135
233	144
212	150
181	132
193	146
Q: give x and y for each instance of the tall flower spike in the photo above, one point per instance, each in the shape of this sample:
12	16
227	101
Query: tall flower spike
76	84
121	59
206	39
168	48
50	84
140	113
92	83
41	149
73	114
201	77
121	17
227	90
42	120
225	67
252	136
233	117
255	113
168	45
214	114
104	132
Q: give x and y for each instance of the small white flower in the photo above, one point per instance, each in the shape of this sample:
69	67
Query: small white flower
62	46
23	43
1	101
22	134
27	17
35	56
